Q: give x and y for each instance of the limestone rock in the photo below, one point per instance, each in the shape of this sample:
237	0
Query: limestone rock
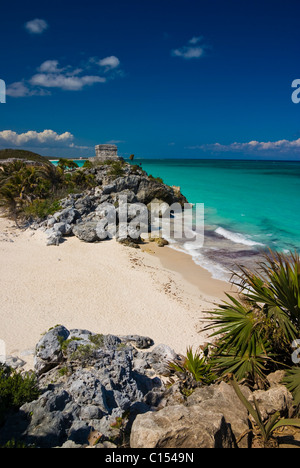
277	398
181	427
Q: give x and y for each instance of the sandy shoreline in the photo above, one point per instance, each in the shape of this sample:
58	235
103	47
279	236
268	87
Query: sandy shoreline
104	288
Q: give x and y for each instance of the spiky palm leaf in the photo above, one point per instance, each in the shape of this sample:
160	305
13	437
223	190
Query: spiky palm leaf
193	365
276	284
251	366
239	325
292	382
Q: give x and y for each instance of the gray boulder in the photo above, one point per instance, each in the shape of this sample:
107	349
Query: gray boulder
68	216
161	355
130	182
64	229
53	237
86	231
48	351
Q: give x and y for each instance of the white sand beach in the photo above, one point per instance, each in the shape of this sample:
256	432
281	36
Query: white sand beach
105	288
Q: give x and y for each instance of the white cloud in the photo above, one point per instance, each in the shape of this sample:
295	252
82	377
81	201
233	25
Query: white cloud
114	142
109	62
18	89
51	75
282	146
50	66
195	40
36	26
65	82
33	138
21	89
193	50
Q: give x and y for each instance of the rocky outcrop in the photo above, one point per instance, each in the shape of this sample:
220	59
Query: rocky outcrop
88	215
89	384
211	417
107	391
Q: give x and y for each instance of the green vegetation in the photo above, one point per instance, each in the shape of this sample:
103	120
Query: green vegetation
157	179
16	444
83	353
117	169
40	209
87	164
191	370
33	191
15	390
97	340
253	331
292	382
256	328
67	164
22	154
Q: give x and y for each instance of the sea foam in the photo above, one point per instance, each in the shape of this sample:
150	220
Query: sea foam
236	237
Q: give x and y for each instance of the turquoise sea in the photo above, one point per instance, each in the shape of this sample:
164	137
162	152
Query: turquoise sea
249	206
79	162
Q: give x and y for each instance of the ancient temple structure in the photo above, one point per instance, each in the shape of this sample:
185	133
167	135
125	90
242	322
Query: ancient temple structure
106	152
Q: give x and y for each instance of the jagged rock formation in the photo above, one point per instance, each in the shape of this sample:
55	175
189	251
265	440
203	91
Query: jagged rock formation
82	214
88	383
108	391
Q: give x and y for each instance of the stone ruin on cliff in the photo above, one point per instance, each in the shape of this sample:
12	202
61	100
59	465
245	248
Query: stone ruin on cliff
106	152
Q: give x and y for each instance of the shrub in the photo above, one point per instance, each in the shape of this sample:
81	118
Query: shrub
42	208
97	340
156	179
116	170
15	390
67	164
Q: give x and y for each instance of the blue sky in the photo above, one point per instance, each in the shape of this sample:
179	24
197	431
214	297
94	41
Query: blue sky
167	78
